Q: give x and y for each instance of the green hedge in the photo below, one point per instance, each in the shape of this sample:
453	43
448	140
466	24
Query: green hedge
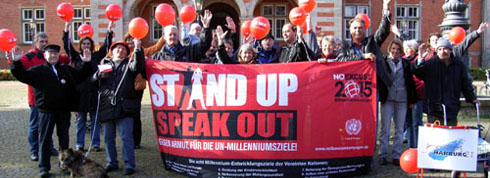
6	75
478	73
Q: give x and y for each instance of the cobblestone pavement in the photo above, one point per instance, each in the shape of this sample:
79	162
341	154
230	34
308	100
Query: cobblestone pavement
14	148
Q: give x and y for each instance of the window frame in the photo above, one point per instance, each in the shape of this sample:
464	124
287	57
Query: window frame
28	33
275	17
409	19
348	17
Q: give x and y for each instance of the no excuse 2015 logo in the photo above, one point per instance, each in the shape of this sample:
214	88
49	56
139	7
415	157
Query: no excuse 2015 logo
353	87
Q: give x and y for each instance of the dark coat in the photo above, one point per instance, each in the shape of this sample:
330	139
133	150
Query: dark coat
409	84
444	84
371	44
296	52
53	93
187	52
123	102
87	90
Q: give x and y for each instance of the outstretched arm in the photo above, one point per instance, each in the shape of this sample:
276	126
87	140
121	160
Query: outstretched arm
384	27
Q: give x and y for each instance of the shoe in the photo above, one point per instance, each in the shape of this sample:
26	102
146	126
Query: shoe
396	162
128	171
80	148
382	161
54	152
110	168
44	174
34	156
137	146
96	148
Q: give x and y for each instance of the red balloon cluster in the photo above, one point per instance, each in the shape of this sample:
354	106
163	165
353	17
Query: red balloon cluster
297	16
138	28
245	28
260	27
165	14
113	12
457	35
408	161
65	11
307	5
7	39
85	30
366	19
187	14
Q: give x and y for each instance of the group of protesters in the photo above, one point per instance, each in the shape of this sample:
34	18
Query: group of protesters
413	78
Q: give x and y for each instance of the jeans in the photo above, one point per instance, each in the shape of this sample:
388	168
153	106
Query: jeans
413	129
33	131
47	121
398	111
81	128
124	127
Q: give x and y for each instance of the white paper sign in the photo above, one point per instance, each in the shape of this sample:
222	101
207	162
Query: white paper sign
447	149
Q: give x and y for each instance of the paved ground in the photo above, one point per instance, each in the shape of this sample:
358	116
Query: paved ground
14	149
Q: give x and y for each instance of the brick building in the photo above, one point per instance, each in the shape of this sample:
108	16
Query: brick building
418	17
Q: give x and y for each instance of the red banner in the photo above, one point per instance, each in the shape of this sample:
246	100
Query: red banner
293	116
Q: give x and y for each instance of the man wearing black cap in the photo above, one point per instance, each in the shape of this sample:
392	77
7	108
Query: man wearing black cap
54	87
266	50
445	77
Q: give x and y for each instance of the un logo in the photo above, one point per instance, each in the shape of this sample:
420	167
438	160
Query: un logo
353	126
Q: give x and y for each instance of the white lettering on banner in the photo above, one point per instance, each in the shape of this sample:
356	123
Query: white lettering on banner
215	90
338	76
158	98
236	93
288	83
271	87
229	87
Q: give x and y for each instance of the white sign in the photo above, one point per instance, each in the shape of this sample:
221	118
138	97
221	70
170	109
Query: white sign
447	149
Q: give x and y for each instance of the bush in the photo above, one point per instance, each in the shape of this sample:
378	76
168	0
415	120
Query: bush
478	73
6	75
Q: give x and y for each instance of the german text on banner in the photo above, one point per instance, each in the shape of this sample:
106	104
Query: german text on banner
276	120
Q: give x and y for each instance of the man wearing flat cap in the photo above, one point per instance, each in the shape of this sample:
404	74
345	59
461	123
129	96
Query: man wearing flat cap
445	77
54	88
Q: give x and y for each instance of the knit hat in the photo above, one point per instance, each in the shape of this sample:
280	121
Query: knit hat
123	43
443	42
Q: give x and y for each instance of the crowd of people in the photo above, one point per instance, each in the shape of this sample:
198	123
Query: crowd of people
412	79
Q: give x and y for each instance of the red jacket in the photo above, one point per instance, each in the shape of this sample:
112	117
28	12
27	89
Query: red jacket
33	58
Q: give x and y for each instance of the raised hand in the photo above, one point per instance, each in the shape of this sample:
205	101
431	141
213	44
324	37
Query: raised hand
110	26
386	3
221	35
67	26
483	27
299	33
15	54
86	56
207	18
230	24
137	43
395	30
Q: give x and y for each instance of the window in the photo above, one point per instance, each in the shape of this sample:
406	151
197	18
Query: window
79	18
157	29
33	21
407	19
350	11
277	15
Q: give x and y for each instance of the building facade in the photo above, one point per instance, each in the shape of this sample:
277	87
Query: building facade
418	18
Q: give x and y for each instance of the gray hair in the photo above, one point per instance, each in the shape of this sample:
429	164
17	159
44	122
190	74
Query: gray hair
330	39
169	27
40	35
411	44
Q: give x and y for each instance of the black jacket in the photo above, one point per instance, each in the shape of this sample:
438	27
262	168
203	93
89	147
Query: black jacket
371	44
296	52
409	84
53	92
87	90
443	85
116	103
187	52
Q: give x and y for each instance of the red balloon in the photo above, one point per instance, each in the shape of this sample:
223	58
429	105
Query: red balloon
187	14
113	12
85	30
366	19
297	16
260	27
138	28
7	39
245	28
165	14
307	5
408	161
65	11
457	35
